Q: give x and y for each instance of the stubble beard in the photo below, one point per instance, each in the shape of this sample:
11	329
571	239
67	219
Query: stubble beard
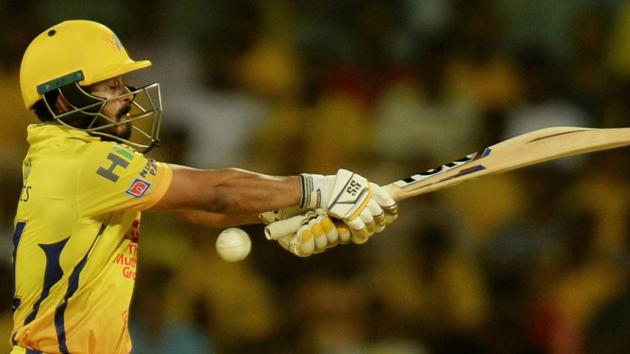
122	130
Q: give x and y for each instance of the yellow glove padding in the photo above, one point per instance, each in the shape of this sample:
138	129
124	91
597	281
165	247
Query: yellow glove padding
314	232
365	207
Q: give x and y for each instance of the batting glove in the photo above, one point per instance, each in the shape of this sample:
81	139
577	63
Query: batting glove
307	234
365	207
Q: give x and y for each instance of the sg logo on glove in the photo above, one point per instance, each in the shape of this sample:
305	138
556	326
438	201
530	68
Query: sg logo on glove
353	188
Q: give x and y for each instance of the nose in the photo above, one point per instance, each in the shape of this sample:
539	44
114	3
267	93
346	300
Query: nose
126	96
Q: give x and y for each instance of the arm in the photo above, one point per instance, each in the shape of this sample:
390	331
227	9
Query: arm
214	219
228	197
228	191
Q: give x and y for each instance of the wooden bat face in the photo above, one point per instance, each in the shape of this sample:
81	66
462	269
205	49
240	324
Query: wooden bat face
467	161
524	150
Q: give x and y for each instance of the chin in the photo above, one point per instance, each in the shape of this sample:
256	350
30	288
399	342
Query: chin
124	132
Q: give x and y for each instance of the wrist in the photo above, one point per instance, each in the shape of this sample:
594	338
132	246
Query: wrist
313	188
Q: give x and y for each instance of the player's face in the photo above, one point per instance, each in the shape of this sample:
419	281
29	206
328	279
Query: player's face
118	108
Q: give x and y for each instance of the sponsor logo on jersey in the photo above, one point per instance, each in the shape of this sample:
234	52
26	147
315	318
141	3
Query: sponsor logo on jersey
109	172
120	156
128	258
149	168
138	187
134	232
26	193
123	151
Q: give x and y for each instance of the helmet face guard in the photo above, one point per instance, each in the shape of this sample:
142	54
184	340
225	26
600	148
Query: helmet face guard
87	114
76	54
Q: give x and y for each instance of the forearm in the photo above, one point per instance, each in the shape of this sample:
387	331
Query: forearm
246	192
205	218
229	191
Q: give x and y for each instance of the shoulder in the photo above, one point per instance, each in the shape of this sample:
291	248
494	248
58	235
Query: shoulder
108	157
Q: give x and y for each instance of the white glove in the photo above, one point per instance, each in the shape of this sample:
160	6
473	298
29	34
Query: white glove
385	201
365	207
282	214
309	233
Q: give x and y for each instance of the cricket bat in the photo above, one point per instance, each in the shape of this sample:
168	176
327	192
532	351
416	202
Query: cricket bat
520	151
523	150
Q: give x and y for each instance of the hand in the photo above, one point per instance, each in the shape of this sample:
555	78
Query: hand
309	233
365	207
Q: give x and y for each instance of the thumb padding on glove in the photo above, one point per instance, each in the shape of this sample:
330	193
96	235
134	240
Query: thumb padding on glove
281	228
385	201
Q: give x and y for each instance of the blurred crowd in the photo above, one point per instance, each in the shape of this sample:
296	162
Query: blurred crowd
532	261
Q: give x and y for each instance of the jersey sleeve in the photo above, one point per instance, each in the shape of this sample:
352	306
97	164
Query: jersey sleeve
113	177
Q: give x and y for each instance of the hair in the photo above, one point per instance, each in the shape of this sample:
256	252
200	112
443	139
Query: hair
78	119
41	110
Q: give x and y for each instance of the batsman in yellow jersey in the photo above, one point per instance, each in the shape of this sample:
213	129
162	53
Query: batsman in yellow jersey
86	180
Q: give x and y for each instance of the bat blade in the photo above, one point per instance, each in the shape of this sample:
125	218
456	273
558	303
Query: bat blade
523	150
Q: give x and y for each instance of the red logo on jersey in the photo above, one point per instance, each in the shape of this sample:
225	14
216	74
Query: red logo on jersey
134	232
138	187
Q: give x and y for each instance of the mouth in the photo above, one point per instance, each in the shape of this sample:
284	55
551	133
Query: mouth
123	114
124	118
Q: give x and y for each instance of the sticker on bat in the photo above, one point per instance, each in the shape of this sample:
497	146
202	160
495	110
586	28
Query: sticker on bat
447	167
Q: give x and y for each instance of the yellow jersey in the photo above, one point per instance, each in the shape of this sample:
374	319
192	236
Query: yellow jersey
75	243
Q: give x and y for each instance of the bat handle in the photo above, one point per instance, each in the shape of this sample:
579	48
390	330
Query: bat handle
281	228
394	191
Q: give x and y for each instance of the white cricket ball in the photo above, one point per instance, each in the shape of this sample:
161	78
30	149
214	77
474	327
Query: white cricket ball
233	244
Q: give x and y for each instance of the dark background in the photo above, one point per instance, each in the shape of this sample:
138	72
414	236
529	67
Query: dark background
532	261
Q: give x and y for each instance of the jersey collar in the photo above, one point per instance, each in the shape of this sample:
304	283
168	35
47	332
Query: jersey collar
47	131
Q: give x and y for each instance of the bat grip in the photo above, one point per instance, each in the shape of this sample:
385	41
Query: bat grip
394	191
281	228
